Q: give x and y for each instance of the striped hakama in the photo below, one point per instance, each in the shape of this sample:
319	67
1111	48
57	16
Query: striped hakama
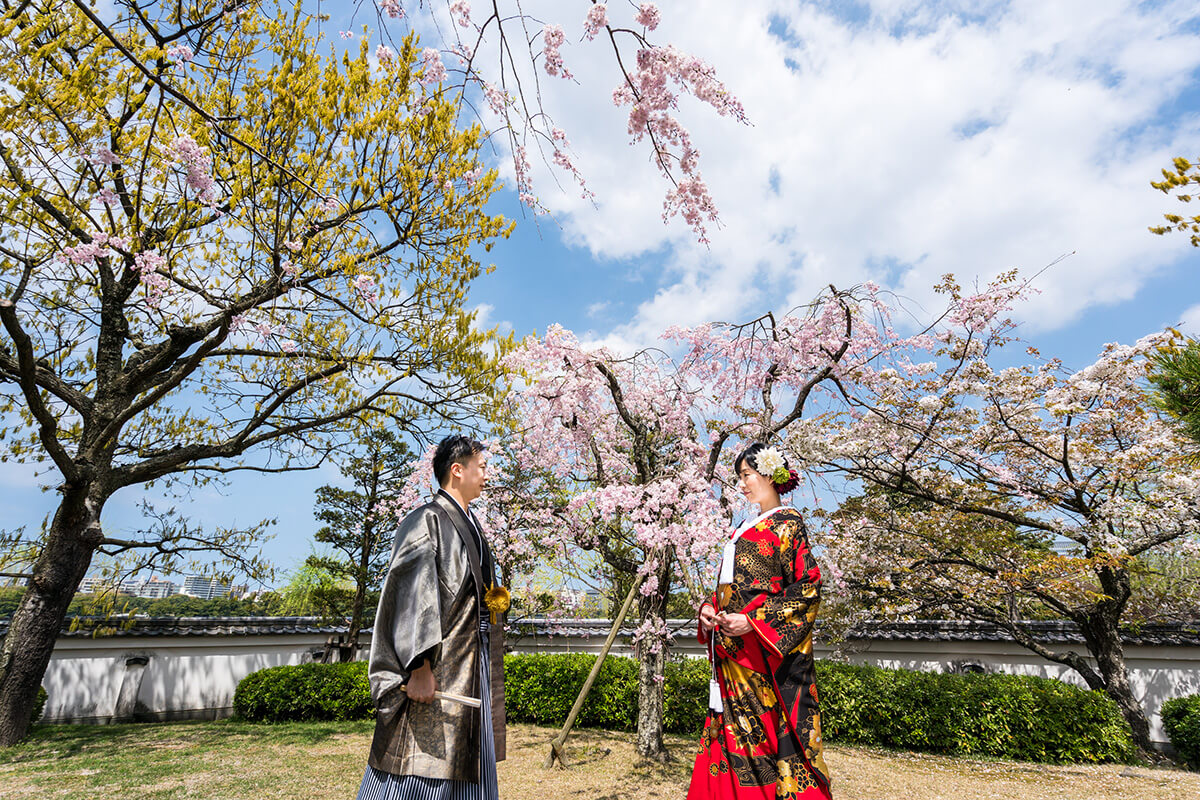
380	785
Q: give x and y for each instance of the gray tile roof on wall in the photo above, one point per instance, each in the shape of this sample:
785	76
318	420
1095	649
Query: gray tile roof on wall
198	626
1045	632
1062	633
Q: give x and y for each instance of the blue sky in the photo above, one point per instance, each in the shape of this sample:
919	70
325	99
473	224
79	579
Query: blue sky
893	142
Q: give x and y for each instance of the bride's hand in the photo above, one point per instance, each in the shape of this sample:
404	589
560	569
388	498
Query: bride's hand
734	624
708	618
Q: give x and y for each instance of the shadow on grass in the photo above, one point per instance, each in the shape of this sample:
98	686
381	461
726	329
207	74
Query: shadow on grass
65	741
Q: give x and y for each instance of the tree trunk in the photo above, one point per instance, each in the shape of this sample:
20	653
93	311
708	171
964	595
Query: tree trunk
356	618
652	660
1104	642
363	568
73	537
650	700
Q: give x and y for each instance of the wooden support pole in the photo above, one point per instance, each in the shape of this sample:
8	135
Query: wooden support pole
556	745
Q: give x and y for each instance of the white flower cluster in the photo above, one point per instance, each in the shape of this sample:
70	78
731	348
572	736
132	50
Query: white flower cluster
767	460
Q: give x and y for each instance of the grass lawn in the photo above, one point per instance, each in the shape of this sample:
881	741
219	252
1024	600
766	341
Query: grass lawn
322	761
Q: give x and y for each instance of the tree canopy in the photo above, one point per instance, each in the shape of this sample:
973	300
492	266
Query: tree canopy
224	245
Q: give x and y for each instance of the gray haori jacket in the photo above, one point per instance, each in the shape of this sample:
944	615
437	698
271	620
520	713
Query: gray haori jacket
430	607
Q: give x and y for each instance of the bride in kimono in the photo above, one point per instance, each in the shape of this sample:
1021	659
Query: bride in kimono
762	738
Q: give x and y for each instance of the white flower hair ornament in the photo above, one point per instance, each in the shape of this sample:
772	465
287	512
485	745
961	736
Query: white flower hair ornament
771	464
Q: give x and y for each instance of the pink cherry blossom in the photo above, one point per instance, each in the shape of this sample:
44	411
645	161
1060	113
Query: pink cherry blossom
497	98
392	8
197	164
460	10
364	286
596	20
648	16
103	157
147	265
553	38
433	71
180	52
385	54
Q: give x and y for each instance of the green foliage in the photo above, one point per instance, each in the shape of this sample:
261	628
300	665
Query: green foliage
1176	381
39	704
1002	716
360	521
1005	716
686	697
312	589
1181	720
541	689
10	598
177	605
304	692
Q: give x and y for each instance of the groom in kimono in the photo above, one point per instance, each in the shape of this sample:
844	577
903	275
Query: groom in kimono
434	633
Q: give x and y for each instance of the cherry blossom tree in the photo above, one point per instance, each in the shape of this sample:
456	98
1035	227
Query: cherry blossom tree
1004	494
639	448
219	250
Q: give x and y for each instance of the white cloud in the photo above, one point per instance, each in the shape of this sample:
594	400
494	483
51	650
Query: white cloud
1189	322
960	137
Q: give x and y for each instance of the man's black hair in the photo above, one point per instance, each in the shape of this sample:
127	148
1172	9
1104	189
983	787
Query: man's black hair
455	449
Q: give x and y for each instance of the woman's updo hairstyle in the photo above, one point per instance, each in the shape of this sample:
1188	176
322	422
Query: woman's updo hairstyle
776	469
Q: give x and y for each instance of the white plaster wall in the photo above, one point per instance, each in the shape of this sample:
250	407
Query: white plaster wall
82	687
184	676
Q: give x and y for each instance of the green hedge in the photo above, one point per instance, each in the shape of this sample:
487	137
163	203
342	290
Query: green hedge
304	692
1008	716
1181	720
1005	716
542	688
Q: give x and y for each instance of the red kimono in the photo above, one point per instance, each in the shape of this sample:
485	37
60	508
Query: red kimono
766	742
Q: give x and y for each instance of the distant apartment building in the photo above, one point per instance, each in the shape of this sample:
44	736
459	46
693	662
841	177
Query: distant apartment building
93	585
153	587
204	588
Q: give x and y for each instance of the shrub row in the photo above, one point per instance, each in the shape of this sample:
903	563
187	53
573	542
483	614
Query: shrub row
541	689
1005	716
1008	716
1181	721
304	692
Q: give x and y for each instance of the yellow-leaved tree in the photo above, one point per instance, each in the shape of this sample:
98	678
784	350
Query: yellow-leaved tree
224	245
1180	181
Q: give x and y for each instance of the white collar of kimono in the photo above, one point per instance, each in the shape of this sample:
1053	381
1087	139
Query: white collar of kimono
726	574
748	524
